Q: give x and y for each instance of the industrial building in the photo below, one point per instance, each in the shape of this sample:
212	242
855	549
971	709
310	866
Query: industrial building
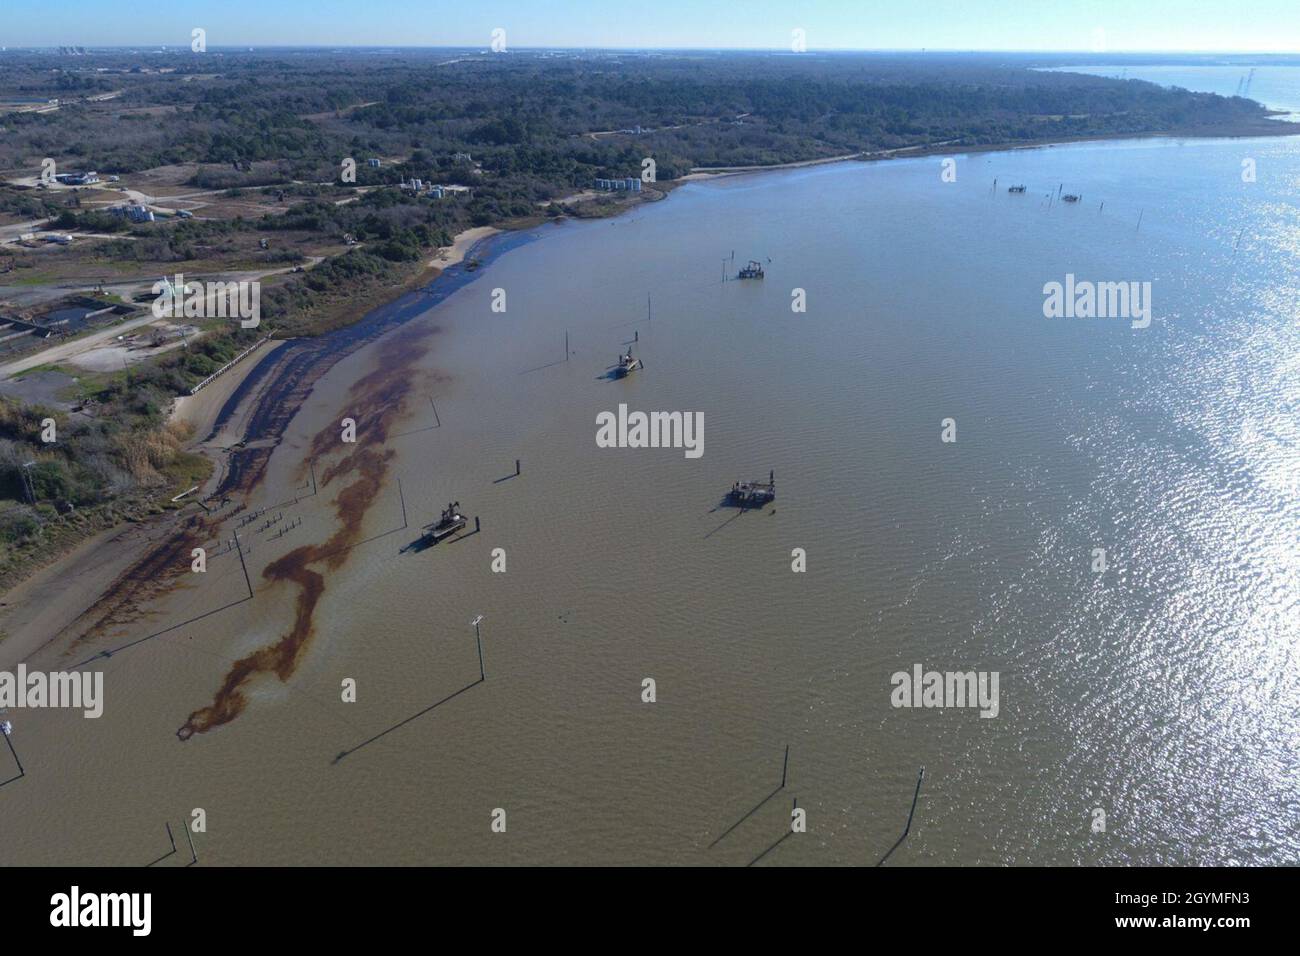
631	184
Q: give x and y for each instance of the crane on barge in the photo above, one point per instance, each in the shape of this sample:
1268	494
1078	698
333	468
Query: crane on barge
447	524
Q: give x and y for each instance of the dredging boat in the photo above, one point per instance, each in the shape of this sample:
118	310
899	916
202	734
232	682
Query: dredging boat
448	524
752	271
752	494
626	364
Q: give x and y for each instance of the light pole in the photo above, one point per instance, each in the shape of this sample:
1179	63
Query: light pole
478	640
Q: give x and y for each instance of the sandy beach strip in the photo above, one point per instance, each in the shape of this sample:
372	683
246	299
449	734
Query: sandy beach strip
36	610
201	409
460	246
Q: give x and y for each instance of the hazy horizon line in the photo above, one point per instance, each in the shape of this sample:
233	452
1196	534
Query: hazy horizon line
182	47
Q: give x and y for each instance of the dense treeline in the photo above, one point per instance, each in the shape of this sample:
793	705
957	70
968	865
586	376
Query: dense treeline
526	117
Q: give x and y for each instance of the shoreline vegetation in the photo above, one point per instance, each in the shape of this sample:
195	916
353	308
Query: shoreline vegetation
247	162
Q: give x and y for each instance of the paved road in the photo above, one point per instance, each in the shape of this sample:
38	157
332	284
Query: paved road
57	353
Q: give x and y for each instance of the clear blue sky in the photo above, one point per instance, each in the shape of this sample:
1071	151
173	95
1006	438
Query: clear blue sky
1127	25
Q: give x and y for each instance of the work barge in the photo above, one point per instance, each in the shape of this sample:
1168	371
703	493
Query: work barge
449	522
752	494
626	364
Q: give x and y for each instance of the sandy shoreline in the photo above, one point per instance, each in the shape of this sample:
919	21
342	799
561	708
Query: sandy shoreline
201	409
460	246
35	611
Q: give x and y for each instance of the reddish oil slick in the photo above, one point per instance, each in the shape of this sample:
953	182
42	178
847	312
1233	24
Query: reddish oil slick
377	402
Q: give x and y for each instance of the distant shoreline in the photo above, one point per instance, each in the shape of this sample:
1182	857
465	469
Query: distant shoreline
1267	129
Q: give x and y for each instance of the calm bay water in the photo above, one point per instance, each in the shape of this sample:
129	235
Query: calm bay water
1163	691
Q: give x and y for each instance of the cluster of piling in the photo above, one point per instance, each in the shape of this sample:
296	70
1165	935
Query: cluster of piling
297	522
271	522
251	517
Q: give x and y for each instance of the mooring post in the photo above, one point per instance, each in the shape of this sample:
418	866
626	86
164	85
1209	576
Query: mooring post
476	524
785	764
566	345
516	466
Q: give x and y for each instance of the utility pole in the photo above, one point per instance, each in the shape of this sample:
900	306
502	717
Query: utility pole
28	487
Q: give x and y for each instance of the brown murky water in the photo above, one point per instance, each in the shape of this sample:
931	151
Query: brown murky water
1160	691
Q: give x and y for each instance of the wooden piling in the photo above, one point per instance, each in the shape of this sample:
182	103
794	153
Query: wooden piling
517	469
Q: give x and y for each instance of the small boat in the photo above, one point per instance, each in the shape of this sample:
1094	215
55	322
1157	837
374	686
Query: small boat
1015	189
6	728
752	271
752	494
1070	197
626	363
448	524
